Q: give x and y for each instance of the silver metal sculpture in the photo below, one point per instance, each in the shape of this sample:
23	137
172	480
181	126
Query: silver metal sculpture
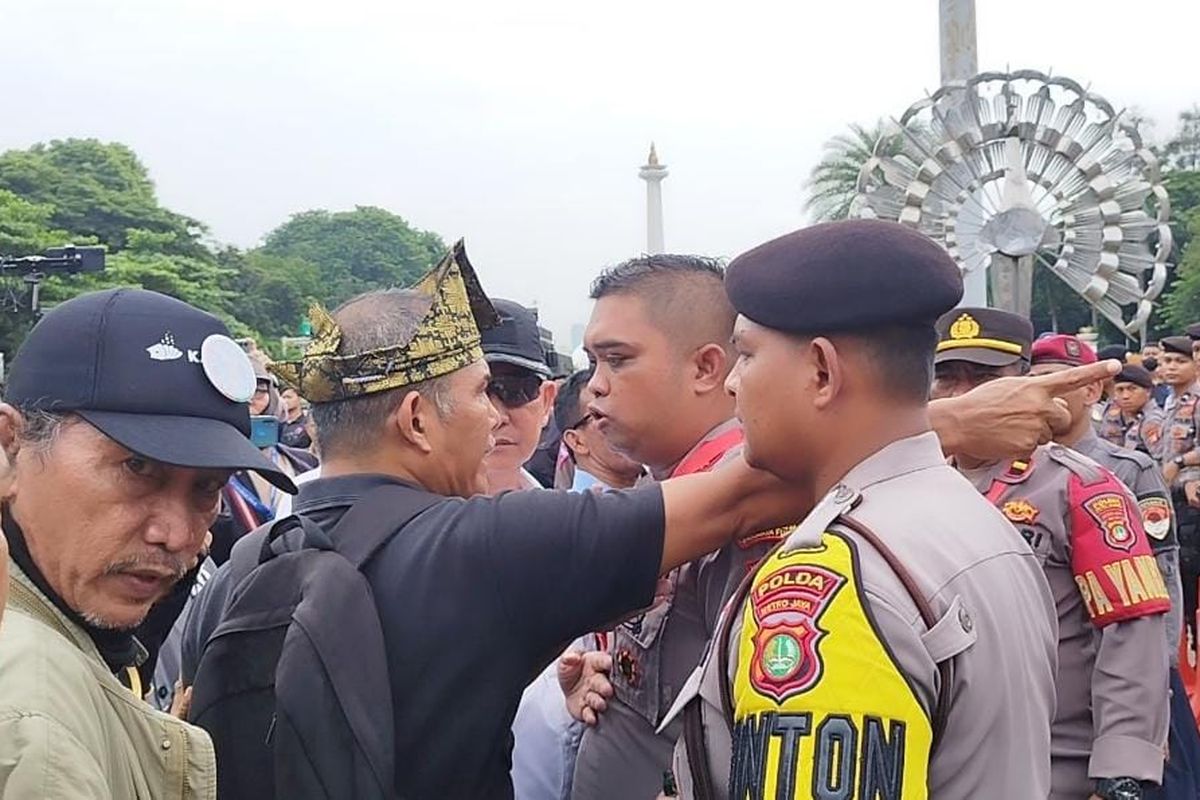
1008	170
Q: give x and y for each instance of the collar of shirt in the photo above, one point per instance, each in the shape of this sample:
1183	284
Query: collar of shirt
584	480
898	458
326	493
1088	443
716	433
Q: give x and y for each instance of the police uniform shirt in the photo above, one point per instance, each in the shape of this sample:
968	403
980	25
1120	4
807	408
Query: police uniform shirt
1112	696
1112	426
996	621
475	598
654	653
1145	431
1142	476
1180	427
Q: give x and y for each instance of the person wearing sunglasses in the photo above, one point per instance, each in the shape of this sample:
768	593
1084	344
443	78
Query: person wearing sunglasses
596	465
521	391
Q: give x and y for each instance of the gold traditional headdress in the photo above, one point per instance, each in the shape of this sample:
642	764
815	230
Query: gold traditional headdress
446	340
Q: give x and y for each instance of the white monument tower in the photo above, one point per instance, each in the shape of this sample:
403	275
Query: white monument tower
653	173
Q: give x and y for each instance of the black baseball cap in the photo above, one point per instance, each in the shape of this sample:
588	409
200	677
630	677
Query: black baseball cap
986	336
158	376
516	339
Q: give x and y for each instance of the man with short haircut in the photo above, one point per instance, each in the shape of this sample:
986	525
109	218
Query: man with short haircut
399	391
658	398
595	465
1086	530
126	413
521	391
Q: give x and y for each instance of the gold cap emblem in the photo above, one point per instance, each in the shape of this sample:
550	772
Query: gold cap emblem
965	327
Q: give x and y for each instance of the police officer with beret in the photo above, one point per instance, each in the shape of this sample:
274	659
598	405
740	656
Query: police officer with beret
1141	417
877	652
1138	471
1085	529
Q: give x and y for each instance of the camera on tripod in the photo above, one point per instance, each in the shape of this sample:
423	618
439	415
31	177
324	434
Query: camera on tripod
67	259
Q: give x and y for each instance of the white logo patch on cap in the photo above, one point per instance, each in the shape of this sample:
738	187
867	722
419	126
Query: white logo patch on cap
228	368
164	349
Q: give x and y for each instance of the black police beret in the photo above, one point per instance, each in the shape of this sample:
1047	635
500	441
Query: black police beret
1177	344
1193	330
844	276
1132	373
1113	351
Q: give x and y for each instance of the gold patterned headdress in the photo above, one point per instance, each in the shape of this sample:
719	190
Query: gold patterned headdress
446	340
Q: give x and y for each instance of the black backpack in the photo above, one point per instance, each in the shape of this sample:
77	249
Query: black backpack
293	684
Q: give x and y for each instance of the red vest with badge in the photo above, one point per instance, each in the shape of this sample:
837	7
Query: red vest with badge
1110	556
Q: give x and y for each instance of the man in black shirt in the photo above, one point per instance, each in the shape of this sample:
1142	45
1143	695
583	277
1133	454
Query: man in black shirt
475	585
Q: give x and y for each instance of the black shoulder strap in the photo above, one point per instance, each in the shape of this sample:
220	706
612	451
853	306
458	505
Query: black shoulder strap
377	515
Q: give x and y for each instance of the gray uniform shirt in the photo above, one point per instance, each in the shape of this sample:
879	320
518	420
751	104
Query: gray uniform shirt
1112	685
996	621
1141	474
653	654
1181	432
1145	430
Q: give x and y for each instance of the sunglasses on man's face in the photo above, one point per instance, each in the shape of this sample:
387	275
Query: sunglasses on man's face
262	387
583	421
515	391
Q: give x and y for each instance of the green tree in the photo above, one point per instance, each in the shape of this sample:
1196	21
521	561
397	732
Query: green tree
1183	150
833	183
96	189
272	293
86	192
354	251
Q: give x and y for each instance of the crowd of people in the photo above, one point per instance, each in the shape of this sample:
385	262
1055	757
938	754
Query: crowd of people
820	532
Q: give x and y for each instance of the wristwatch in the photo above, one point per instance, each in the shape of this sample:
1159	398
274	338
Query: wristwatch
1179	462
1119	789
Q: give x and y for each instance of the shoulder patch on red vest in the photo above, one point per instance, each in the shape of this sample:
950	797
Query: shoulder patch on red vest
1110	555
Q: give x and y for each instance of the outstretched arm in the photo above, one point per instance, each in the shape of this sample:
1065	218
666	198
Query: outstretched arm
1009	417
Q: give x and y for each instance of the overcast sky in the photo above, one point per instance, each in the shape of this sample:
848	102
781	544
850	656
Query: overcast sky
520	125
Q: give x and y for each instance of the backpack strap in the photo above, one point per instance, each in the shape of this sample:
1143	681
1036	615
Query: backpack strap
370	523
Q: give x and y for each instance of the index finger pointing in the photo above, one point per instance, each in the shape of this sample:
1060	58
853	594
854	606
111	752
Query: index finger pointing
1068	380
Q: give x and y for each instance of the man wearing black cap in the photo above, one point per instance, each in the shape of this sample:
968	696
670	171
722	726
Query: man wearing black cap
126	412
876	621
1180	458
1085	529
521	391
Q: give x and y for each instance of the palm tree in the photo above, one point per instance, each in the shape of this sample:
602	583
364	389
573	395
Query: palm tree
833	182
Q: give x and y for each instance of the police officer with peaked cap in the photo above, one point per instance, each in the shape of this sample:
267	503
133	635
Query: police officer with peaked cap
876	622
1084	526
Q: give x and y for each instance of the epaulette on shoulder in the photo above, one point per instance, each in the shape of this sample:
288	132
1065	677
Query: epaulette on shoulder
1087	469
1136	456
1018	471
